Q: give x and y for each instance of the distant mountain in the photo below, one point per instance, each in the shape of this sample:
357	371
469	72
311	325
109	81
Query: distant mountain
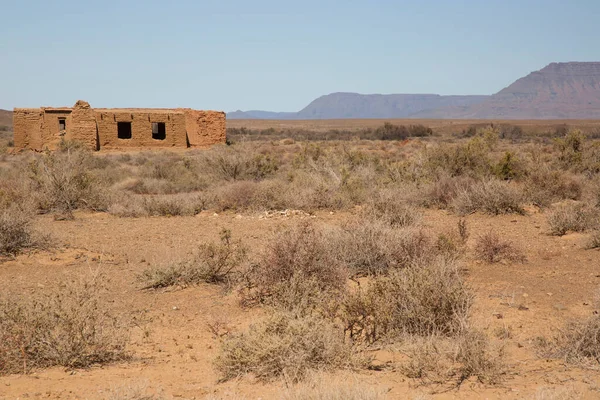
355	105
559	91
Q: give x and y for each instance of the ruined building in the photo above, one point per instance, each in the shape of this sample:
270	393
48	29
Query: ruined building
117	128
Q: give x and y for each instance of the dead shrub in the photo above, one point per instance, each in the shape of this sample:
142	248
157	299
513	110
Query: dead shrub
212	263
444	190
492	249
439	360
491	197
16	232
543	186
70	327
425	300
301	253
594	241
374	248
238	163
572	216
62	183
287	347
387	206
319	388
577	343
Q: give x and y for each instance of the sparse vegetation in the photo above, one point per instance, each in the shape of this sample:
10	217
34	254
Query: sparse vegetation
69	326
572	216
289	347
492	249
212	263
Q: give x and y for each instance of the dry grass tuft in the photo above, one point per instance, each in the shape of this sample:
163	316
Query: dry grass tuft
574	217
594	241
70	327
439	361
491	197
492	249
579	342
388	207
16	232
426	300
297	262
321	388
287	347
213	263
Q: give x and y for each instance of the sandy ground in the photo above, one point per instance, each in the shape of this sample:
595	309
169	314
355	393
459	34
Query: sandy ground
173	347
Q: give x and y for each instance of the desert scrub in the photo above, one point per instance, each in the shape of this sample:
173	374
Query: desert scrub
324	387
492	197
212	263
577	343
69	326
574	217
61	183
426	300
298	262
284	346
594	241
389	207
493	249
443	361
370	248
16	232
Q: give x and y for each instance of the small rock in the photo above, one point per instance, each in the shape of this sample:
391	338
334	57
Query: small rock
175	308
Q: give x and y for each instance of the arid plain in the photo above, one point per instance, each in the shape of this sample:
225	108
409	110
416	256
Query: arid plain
337	259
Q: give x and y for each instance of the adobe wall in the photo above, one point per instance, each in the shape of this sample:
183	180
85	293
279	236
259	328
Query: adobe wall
26	127
205	128
141	128
39	128
51	135
81	125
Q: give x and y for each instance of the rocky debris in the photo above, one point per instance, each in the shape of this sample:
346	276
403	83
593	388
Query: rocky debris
285	214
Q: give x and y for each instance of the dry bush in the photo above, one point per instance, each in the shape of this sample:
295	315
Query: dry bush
238	163
439	360
296	262
424	300
16	232
389	207
288	347
322	388
62	183
574	217
491	197
133	391
579	342
212	263
492	249
543	186
374	248
69	326
444	190
594	241
161	206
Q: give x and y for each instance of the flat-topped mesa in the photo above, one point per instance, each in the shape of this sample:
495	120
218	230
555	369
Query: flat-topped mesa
117	128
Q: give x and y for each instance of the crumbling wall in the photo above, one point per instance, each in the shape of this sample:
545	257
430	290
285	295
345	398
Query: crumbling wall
26	127
81	125
51	135
205	128
141	128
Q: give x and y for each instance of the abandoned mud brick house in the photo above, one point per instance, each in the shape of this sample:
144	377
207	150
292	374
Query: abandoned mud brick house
117	128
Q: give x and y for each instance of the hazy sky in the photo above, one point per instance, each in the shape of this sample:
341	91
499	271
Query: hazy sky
278	55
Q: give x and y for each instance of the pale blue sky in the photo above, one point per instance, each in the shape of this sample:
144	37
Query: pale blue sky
278	55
